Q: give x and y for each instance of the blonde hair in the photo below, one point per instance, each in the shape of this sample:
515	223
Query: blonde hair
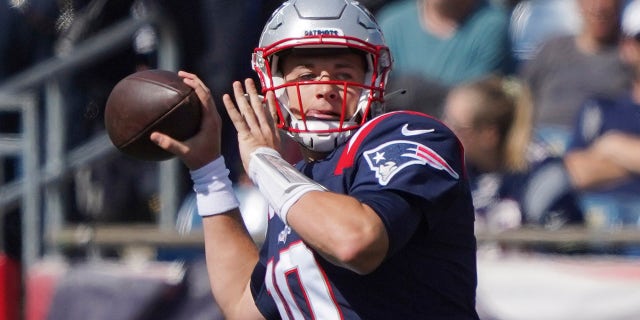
506	104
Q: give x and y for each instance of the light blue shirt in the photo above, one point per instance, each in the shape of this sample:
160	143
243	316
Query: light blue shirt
480	45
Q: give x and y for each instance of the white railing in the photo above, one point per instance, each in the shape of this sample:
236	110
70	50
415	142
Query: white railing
23	193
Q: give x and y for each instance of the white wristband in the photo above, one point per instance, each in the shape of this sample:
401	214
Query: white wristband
280	183
214	193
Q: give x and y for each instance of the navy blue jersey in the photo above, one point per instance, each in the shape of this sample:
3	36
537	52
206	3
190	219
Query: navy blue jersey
601	115
409	168
543	194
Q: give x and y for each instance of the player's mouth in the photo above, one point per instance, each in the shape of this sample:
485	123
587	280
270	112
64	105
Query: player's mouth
322	115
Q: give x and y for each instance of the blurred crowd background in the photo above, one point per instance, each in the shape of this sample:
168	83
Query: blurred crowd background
543	94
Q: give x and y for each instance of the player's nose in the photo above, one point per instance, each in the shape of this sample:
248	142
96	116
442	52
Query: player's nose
325	90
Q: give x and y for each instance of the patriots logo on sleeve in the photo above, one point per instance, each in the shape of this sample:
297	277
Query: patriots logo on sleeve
391	157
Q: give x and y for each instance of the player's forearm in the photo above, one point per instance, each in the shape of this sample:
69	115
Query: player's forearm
343	230
231	256
346	232
230	251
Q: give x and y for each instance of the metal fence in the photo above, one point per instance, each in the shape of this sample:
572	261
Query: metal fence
37	191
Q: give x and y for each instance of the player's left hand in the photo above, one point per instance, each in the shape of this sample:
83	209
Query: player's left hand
255	124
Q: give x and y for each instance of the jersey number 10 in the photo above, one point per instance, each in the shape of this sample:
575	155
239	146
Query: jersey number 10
296	282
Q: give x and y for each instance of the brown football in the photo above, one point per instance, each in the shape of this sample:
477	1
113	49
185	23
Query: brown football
148	101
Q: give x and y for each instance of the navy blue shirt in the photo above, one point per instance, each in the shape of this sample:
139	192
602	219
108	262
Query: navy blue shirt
601	115
543	194
409	168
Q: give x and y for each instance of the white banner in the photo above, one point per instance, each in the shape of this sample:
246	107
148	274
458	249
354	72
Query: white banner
520	286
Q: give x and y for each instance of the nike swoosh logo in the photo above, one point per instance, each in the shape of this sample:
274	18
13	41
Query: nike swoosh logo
408	132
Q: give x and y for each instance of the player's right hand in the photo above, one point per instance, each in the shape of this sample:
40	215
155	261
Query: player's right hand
204	146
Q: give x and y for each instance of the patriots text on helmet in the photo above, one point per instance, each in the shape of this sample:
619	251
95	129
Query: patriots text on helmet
322	32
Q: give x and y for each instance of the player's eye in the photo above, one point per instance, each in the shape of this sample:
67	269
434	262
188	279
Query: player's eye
344	76
307	77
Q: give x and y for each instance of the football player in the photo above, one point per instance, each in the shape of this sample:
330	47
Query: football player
375	223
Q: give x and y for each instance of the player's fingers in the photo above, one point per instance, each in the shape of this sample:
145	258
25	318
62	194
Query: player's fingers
263	126
245	107
267	126
235	115
257	105
194	152
186	74
192	77
272	106
169	144
254	97
202	91
272	115
192	80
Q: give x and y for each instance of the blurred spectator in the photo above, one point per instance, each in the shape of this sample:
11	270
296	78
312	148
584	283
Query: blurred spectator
535	21
514	181
604	153
440	43
568	69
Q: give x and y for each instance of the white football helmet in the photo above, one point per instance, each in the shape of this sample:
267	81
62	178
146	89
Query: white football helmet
323	24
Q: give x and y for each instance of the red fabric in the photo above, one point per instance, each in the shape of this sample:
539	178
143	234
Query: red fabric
41	281
9	288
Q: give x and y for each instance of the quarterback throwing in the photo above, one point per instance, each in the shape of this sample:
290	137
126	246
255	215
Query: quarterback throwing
375	223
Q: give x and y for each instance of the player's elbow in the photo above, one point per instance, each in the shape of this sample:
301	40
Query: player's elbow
364	254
